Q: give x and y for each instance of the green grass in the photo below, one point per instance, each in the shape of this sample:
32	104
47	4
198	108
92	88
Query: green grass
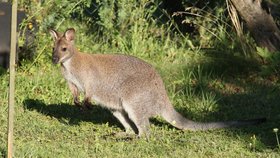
215	84
48	125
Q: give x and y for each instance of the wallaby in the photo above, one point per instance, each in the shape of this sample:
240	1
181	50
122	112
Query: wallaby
129	87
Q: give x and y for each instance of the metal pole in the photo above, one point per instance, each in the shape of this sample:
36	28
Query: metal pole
12	79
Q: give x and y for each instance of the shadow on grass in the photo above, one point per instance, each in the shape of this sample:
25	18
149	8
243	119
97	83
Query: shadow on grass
70	114
241	93
260	100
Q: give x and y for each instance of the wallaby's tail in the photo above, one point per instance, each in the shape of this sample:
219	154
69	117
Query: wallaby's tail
180	122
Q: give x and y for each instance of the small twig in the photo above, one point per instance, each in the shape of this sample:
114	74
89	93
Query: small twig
38	56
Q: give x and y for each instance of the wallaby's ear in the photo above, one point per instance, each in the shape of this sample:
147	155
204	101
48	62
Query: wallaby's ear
54	34
70	34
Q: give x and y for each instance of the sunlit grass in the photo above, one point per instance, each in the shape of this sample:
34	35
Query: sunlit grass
47	124
203	85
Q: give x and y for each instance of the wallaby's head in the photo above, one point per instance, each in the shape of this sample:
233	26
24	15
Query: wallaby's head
63	45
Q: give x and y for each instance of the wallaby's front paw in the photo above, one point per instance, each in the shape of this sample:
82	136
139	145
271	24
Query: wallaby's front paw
83	109
80	106
88	105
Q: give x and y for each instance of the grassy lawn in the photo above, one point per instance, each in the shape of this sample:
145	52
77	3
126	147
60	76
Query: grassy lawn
207	77
47	123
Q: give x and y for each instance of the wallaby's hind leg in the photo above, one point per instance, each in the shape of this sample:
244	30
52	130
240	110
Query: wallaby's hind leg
124	120
139	108
140	120
143	126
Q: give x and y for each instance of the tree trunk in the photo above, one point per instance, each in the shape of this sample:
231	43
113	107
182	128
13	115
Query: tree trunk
259	22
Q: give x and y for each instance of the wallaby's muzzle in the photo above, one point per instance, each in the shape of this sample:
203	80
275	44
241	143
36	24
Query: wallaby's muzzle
55	59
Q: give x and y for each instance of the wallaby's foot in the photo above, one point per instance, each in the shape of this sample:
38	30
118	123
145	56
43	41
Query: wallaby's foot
77	103
87	105
81	107
145	136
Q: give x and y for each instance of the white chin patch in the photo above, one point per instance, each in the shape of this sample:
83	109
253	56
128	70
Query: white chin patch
63	59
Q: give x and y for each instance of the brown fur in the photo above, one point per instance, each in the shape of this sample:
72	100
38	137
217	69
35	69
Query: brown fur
129	87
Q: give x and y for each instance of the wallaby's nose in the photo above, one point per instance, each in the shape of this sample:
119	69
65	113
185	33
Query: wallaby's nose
55	59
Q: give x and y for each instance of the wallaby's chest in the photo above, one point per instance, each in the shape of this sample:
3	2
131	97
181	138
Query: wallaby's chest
72	77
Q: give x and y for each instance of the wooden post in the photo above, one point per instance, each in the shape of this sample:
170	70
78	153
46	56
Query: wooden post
12	79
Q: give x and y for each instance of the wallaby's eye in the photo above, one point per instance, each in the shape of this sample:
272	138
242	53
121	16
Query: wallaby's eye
64	49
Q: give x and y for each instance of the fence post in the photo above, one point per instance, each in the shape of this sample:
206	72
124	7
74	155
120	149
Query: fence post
12	79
